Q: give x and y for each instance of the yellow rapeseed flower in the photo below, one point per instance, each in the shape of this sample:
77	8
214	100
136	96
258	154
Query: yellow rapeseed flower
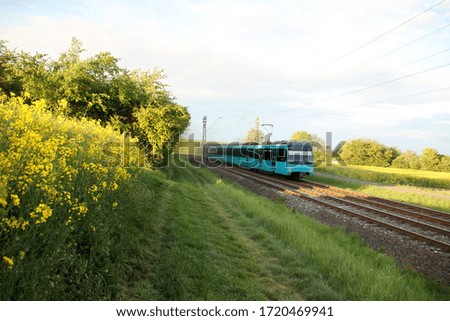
9	262
15	199
82	209
50	153
45	212
3	192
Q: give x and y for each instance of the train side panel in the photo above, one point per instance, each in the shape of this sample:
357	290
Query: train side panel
293	159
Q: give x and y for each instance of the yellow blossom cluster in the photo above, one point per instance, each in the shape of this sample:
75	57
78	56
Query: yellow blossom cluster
51	168
9	261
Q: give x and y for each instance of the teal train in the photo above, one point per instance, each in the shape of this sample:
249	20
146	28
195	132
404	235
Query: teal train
287	158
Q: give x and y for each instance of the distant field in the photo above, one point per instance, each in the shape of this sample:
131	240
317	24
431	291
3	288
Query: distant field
437	199
395	176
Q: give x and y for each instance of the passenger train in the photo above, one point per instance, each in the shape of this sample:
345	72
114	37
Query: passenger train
289	158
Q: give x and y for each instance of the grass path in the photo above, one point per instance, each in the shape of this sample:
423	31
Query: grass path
199	252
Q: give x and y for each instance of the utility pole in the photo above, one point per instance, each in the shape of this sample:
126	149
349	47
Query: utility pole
204	130
204	139
258	138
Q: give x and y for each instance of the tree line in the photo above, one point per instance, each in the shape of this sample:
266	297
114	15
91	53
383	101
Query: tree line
132	101
369	152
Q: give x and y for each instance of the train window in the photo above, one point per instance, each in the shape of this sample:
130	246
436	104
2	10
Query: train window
267	154
281	155
300	157
274	154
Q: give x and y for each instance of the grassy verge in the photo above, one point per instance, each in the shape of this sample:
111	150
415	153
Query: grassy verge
418	198
387	175
196	237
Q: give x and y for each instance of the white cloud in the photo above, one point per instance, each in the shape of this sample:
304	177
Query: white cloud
258	57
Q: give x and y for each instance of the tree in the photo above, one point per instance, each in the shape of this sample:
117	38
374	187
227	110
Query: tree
86	86
301	136
159	129
136	101
255	135
316	141
430	159
368	152
9	82
408	159
445	164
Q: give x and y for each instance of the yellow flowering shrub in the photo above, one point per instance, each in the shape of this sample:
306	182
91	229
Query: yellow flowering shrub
52	169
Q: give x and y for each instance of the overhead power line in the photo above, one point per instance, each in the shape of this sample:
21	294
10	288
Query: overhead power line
403	97
365	44
353	51
384	100
390	52
390	81
399	67
368	87
386	54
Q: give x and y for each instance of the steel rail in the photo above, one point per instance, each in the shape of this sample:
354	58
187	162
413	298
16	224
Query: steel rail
379	200
279	185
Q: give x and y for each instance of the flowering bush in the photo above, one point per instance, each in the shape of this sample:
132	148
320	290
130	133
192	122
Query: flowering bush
54	186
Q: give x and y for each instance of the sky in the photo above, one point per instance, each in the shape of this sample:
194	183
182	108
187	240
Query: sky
356	68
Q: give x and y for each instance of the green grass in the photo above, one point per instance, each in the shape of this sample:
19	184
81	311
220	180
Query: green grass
197	237
412	195
387	175
185	234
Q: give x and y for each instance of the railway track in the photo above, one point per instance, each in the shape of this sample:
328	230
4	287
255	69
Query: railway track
422	211
426	225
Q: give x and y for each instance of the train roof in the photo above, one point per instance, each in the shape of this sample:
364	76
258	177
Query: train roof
292	144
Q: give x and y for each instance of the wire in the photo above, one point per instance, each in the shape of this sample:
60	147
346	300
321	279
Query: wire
369	42
366	88
396	68
351	52
390	52
391	80
385	100
386	54
403	97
